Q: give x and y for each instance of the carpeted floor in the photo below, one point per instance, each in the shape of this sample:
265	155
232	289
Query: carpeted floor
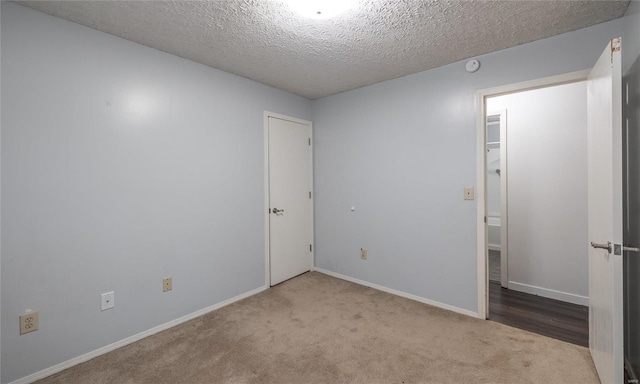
318	329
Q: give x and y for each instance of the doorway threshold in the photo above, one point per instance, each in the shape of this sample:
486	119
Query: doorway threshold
549	317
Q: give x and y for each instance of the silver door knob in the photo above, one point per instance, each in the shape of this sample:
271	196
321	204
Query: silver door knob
276	210
602	246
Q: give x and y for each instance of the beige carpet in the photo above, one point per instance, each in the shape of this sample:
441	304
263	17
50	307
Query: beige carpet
318	329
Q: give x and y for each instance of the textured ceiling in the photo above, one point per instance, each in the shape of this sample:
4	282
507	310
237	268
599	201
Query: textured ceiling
377	40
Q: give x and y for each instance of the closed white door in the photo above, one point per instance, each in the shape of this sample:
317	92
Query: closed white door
604	98
290	204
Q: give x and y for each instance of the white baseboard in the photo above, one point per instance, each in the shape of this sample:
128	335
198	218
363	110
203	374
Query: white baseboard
549	293
131	339
398	293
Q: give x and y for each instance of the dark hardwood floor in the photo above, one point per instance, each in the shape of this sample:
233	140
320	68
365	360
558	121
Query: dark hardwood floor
553	318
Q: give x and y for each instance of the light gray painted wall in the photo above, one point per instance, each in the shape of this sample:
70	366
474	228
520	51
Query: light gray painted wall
401	152
121	165
0	196
631	26
631	118
547	190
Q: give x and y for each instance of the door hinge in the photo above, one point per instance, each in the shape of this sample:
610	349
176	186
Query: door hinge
485	219
310	248
309	141
309	194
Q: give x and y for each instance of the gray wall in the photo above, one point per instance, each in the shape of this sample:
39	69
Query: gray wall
121	165
401	152
631	119
0	196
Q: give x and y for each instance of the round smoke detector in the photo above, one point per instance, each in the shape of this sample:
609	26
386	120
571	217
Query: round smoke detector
320	9
472	65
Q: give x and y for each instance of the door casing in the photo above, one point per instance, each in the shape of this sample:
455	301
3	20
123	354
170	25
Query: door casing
267	222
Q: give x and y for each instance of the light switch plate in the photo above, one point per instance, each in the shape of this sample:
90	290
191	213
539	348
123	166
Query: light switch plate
468	193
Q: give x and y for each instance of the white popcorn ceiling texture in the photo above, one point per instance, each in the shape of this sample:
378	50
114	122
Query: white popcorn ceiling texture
378	40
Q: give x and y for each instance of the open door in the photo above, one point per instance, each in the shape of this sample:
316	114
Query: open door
604	101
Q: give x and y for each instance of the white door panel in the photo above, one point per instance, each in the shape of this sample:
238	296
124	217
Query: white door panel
290	218
604	95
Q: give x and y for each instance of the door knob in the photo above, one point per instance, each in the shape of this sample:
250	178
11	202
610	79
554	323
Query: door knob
276	210
602	246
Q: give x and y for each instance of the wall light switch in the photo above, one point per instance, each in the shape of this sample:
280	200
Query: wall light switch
468	193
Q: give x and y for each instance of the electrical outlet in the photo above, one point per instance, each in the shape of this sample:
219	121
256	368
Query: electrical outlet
29	322
167	284
363	254
107	301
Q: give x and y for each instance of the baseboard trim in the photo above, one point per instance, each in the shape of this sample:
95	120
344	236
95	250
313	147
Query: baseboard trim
397	293
132	339
549	293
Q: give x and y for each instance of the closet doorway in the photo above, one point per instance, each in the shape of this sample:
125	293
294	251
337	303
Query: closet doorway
536	208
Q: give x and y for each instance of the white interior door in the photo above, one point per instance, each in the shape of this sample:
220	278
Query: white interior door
290	203
604	100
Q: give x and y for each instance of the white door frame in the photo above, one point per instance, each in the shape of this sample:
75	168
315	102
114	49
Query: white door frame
267	222
481	168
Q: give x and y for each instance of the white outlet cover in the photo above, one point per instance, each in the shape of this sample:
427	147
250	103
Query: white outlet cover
107	301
